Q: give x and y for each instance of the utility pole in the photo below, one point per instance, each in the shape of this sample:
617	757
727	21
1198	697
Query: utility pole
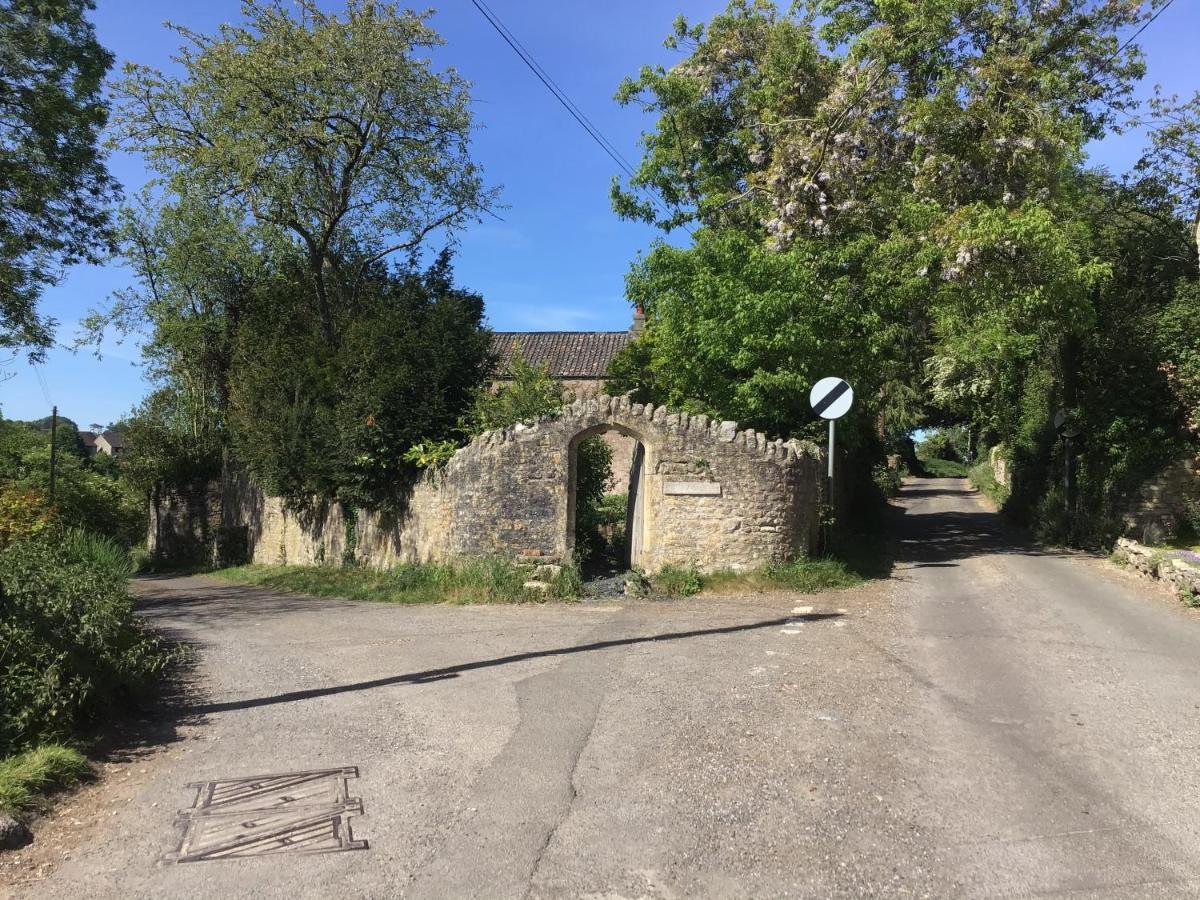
53	449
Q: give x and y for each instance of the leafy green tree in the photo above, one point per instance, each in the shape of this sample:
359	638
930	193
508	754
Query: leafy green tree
884	191
331	132
54	187
308	421
529	393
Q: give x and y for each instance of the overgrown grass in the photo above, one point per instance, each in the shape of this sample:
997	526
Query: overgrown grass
943	468
678	581
489	580
807	576
26	778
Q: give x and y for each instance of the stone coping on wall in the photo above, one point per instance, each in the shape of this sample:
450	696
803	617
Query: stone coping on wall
1178	569
604	409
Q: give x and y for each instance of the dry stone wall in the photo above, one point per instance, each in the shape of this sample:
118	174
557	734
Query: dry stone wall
715	497
1158	508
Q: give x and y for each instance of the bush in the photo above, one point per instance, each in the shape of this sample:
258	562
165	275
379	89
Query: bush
24	514
887	480
74	650
530	394
676	581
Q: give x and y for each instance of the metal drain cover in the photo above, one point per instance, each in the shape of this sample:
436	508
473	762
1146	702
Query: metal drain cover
260	815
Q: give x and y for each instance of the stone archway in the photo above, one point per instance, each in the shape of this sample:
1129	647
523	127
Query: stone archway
637	538
713	496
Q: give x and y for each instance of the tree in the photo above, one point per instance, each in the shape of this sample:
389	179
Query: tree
54	187
530	393
880	190
308	421
331	132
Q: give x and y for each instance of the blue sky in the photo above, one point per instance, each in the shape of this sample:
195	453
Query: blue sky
559	257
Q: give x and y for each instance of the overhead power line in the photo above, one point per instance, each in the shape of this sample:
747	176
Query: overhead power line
1133	37
567	103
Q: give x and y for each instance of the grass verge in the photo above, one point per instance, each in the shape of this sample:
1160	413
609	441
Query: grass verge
474	581
26	778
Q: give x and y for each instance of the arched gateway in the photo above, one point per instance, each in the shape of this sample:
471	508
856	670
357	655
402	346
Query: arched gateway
706	494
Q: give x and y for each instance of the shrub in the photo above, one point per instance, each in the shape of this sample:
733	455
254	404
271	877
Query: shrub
24	514
676	581
431	454
73	649
887	480
1191	513
530	394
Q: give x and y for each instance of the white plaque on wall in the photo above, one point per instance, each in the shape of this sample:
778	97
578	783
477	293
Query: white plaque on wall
692	488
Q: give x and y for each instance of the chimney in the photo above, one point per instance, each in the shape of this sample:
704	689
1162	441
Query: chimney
639	321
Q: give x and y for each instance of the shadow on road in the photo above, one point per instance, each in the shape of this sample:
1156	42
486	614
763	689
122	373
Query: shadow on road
454	671
938	523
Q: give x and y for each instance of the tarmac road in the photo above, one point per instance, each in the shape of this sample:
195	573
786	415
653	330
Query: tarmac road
995	721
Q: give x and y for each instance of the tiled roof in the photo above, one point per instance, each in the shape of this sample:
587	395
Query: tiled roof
115	440
567	354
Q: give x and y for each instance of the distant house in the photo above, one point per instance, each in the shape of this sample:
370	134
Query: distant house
110	442
579	360
88	439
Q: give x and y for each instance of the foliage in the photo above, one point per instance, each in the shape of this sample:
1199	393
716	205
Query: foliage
431	454
26	777
943	468
593	476
952	443
677	581
630	371
1191	513
483	580
529	394
366	160
897	193
310	422
24	514
984	480
84	496
54	188
73	651
887	480
166	446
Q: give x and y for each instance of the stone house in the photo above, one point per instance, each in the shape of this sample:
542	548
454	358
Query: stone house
108	442
579	361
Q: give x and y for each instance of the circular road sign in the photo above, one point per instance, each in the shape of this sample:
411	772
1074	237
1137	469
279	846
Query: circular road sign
831	398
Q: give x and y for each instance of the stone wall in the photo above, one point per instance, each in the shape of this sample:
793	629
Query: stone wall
715	497
1177	569
1001	467
1157	509
184	523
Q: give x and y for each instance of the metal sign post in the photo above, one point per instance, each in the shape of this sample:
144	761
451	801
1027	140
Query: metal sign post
831	398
